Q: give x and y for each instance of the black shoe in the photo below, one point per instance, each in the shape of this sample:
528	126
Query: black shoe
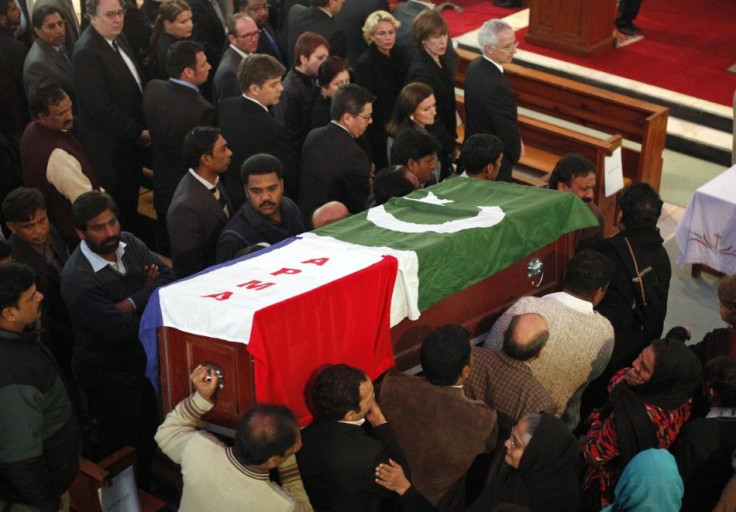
507	3
635	28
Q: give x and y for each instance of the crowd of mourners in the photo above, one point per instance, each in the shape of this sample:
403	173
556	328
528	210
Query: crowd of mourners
261	120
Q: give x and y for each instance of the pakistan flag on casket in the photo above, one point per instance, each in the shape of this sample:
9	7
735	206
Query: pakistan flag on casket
464	230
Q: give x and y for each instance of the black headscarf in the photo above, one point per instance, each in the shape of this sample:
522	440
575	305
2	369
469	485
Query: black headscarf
547	478
677	374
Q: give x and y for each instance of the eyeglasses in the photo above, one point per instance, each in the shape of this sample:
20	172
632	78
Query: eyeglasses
513	444
111	15
249	35
366	117
510	48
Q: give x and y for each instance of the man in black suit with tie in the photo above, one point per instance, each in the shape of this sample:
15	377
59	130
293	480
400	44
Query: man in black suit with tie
243	35
268	42
109	84
200	207
333	166
168	123
320	19
210	29
250	129
490	105
48	59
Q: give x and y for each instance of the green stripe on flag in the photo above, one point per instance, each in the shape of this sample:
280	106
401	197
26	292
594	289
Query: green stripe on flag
450	262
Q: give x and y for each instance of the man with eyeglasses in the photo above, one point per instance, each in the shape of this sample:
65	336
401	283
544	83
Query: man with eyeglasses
333	165
490	106
268	43
243	35
109	84
48	59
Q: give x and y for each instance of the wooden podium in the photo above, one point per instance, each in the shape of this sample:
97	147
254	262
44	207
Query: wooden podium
579	27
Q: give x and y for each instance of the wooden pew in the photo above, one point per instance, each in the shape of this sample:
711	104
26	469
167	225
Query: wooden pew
545	143
593	107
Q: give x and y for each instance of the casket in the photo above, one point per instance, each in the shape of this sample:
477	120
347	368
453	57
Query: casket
459	252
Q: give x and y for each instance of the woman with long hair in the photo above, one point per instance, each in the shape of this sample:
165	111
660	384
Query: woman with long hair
173	23
381	69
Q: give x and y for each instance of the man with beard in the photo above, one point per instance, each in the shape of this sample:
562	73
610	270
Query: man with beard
106	284
575	173
266	216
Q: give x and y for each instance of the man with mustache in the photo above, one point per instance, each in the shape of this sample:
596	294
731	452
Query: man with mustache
266	216
54	160
575	173
106	284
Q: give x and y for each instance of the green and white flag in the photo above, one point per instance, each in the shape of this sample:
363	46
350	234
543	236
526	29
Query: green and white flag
463	230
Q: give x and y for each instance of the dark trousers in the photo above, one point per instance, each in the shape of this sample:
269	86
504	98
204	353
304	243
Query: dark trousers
124	404
628	10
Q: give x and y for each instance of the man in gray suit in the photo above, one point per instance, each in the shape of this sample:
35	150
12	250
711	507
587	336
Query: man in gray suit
48	60
243	35
66	8
200	207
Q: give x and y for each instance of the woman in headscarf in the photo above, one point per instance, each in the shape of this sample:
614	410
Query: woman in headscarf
381	69
647	405
703	450
650	483
540	469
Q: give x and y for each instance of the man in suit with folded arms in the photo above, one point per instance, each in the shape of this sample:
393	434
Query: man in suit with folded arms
250	129
490	105
163	100
109	84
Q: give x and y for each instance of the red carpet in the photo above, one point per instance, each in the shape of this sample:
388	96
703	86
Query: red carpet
687	45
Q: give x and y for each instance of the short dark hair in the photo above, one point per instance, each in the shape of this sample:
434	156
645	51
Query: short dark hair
412	144
330	68
89	205
43	96
444	354
569	167
307	44
39	14
91	7
391	182
523	350
720	375
349	99
256	69
587	272
261	163
22	203
264	431
640	206
336	391
4	6
199	141
6	250
15	278
478	151
182	55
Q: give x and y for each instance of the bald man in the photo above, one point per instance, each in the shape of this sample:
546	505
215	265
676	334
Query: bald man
329	213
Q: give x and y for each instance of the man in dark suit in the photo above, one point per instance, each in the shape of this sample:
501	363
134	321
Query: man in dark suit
109	85
243	35
350	20
200	207
169	122
490	105
66	7
13	108
48	59
250	129
268	43
317	18
210	29
333	166
338	457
